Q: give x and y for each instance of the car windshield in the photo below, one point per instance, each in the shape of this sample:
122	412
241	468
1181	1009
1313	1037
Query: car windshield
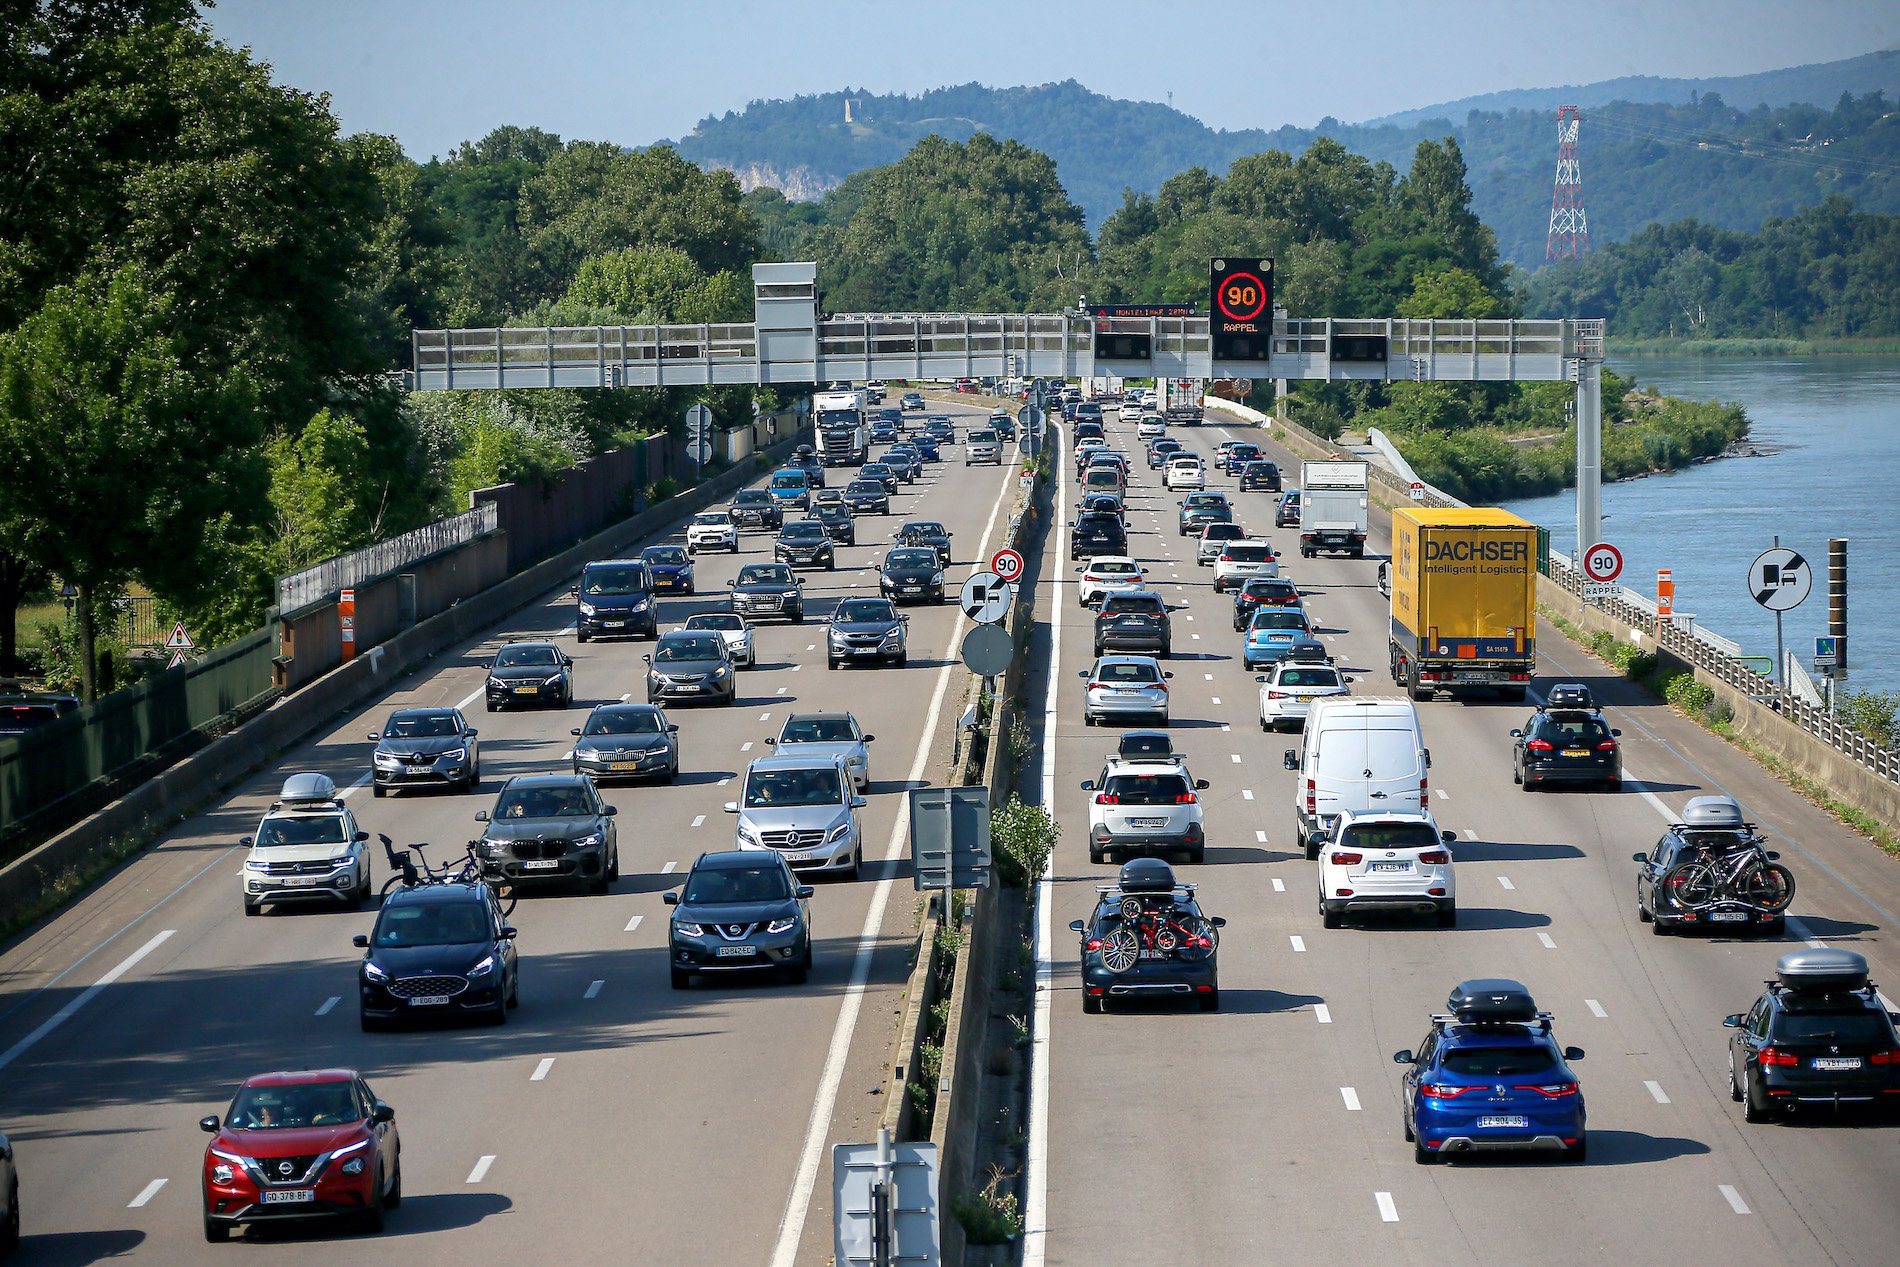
765	574
790	479
526	657
623	721
712	519
982	437
303	829
432	924
675	649
1309	677
716	620
1142	603
1137	674
712	886
1279	620
803	530
1851	1028
1495	1062
818	730
865	609
911	559
422	726
541	802
1373	836
1248	554
666	556
864	486
924	529
294	1107
1269	588
1147	789
875	470
792	788
618	580
1114	567
751	497
1105	477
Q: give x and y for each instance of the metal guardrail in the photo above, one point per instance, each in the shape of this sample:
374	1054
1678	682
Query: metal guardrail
325	580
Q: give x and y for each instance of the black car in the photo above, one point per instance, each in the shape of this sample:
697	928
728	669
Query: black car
883	432
1133	622
1818	1040
939	428
1096	534
1712	827
905	460
925	532
807	461
1286	514
755	508
1263	591
1160	451
691	665
1570	695
1566	745
912	574
549	828
804	543
425	747
615	599
530	673
1004	426
763	590
1260	477
867	630
21	713
437	950
836	521
627	741
740	910
1148	939
881	473
867	497
1201	509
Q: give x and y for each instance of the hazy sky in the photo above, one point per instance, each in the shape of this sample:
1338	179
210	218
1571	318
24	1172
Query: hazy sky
437	72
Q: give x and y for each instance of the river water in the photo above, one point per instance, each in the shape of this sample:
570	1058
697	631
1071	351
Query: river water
1828	429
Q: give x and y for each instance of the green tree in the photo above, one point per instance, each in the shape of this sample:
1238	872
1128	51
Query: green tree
316	479
1451	292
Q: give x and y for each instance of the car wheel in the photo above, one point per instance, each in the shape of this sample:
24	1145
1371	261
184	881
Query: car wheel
1657	927
1331	919
798	617
679	977
369	1024
856	868
1642	914
579	636
1422	1155
372	1217
613	865
378	791
733	548
1088	718
490	704
1210	1002
1098	856
514	990
1613	785
1734	1084
217	1233
1263	724
830	663
253	908
1754	1107
1310	847
798	973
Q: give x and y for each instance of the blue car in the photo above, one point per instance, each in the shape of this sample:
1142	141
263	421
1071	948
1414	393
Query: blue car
670	567
1491	1077
927	447
1272	632
906	461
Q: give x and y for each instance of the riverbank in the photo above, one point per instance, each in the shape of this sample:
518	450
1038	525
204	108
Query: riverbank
1752	347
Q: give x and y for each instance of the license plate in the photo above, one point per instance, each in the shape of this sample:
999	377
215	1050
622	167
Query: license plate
1154	954
290	1196
301	881
1148	822
805	856
430	1000
913	589
1505	1121
1576	752
1302	699
541	864
1836	1064
734	952
612	624
1727	917
527	690
687	690
1471	677
864	651
1386	867
623	765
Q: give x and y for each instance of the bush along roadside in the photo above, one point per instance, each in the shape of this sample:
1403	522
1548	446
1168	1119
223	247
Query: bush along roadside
1698	702
922	1086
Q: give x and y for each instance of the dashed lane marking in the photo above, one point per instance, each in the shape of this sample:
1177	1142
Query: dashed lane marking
781	690
1322	1014
1235	756
1655	1090
1733	1198
1216	699
1548	943
593	990
1261	837
746	746
765	717
481	1168
668	868
1299	944
1504	881
1471	833
699	820
1388	1212
1351	1097
1279	885
1246	794
146	1193
1596	1009
634	923
329	1004
541	1070
1443	795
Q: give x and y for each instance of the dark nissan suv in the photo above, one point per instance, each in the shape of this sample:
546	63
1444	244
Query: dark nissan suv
1097	534
551	827
739	910
1136	622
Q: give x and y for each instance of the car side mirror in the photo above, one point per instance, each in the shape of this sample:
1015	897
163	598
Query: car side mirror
1075	926
1732	1021
1616	733
804	890
481	815
672	728
508	932
1517	734
1168	676
567	662
1448	837
470	733
574	589
858	802
771	743
1088	785
730	807
247	841
609	810
1402	1057
375	736
1290	760
1774	856
360	941
209	1125
362	835
670	898
1573	1053
1083	674
1201	785
380	1112
1259	678
575	731
730	584
647	659
1639	857
870	739
1219	921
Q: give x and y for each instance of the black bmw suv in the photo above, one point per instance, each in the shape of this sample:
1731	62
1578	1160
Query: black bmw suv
1818	1040
437	950
550	827
1097	534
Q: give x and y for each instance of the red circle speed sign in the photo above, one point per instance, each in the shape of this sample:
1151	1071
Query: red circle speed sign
1242	297
1602	562
1007	564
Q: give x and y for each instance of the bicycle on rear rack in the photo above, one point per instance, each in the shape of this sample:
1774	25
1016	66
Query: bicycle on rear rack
1746	877
1154	931
412	870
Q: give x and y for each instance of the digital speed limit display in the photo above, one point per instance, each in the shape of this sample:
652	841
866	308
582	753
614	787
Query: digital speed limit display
1240	309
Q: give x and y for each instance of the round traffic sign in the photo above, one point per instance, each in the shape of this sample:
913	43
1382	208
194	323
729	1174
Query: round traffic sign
1007	564
985	598
1602	562
1779	579
987	651
1242	296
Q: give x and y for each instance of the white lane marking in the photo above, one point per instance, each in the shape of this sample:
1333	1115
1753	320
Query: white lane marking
633	923
781	690
1235	756
1504	881
85	996
699	820
1388	1212
1733	1198
362	781
792	1227
328	1004
1246	794
1656	802
1655	1089
765	717
1279	885
1208	676
1351	1097
1596	1009
1216	699
1443	795
1225	728
541	1070
1322	1014
797	667
668	868
481	1168
593	990
1196	637
1260	836
1299	945
811	646
1548	943
746	746
146	1193
472	696
1471	833
724	781
1190	618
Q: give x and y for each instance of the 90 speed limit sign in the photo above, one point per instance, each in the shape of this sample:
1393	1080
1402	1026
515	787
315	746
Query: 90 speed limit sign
1007	564
1602	562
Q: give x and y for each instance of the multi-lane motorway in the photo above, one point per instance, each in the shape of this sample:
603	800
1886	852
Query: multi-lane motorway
612	1119
1270	1131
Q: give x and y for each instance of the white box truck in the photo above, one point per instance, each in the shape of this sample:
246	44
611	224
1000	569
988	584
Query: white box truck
844	433
1333	507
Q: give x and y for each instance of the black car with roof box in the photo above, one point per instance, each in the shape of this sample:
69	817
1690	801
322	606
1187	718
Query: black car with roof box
1713	831
1819	1040
1148	938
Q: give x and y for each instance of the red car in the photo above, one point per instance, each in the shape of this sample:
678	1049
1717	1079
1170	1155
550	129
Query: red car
314	1144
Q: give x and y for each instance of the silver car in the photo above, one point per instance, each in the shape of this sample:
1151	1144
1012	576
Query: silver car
803	809
827	735
426	747
736	633
690	666
1125	686
983	446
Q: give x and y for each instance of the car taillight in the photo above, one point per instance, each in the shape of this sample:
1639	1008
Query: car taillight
1094	686
1889	1057
1540	745
1187	798
1160	686
1347	859
1272	694
1435	857
1439	1091
1107	798
1095	943
1775	1056
1552	1091
1608	745
1312	798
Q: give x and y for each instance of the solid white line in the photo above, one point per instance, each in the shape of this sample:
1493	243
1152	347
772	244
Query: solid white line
146	1193
633	923
1388	1213
1279	885
472	696
1733	1198
481	1168
593	990
1655	1089
1596	1009
362	781
1548	943
699	819
1299	944
1351	1097
1322	1014
86	996
792	1227
1246	794
668	868
1504	881
541	1070
329	1003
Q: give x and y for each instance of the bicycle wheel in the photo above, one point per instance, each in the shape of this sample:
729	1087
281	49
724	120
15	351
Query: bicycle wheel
1767	885
505	895
390	885
1131	908
1198	938
1120	950
1167	936
1690	886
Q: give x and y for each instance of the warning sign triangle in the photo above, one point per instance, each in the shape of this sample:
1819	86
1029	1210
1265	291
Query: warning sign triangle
180	640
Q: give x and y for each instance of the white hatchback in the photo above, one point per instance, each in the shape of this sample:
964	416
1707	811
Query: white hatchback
1287	691
1185	472
712	530
1385	862
1108	574
1150	427
1238	560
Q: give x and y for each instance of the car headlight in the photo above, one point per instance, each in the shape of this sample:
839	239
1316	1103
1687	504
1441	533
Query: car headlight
260	867
685	929
588	609
589	841
838	833
721	671
747	836
372	972
388	758
782	925
347	1149
222	1173
483	968
455	754
894	635
835	638
936	578
553	680
491	848
497	683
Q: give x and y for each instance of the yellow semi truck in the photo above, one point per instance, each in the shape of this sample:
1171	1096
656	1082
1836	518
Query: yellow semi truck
1464	601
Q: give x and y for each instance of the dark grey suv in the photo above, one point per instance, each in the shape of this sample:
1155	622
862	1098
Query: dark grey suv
550	827
426	747
740	910
627	741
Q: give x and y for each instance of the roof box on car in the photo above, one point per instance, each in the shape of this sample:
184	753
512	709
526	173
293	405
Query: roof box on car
1569	695
1712	811
307	787
1491	1001
1146	875
1826	969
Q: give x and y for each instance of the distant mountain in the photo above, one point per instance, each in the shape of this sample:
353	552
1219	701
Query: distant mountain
1821	84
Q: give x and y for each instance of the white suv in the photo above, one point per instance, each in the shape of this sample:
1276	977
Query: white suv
1237	560
1288	689
307	849
712	530
1184	472
1108	574
1380	861
1146	805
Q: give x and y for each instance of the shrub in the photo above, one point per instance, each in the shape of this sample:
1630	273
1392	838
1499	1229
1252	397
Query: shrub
989	1216
662	489
1687	694
1024	836
1642	666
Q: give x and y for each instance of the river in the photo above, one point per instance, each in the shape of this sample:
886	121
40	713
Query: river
1828	429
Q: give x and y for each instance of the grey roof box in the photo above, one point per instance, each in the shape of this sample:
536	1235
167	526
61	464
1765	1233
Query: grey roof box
1826	969
305	788
1712	811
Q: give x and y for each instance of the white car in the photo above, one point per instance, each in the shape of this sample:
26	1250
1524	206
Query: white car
1288	689
1108	574
712	530
1184	472
733	631
1214	538
1387	862
1145	806
1239	560
1125	686
308	848
1150	427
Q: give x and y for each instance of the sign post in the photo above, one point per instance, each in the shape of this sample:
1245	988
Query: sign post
179	643
346	617
1007	564
699	435
1780	580
1240	309
985	598
1665	599
1602	564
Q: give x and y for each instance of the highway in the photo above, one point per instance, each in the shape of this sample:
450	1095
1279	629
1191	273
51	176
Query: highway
611	1110
1271	1129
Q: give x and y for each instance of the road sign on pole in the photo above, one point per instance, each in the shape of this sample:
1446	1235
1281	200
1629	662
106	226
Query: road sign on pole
180	640
1418	491
985	598
950	837
1780	579
986	651
178	658
1007	564
1602	562
699	435
884	1204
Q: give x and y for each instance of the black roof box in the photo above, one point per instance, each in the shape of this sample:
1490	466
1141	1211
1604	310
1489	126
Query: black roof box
1146	875
1491	1001
1826	969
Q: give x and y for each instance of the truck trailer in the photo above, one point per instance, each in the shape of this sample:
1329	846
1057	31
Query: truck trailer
1333	507
1464	601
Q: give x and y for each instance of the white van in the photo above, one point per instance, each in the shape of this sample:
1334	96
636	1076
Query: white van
1362	754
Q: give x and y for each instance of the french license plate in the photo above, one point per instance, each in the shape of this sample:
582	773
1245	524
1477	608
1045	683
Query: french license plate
1505	1121
1148	822
527	690
804	856
1471	677
430	1000
541	864
1727	917
291	1196
735	952
302	881
1836	1064
1387	867
1576	752
612	624
623	765
1154	954
864	651
913	589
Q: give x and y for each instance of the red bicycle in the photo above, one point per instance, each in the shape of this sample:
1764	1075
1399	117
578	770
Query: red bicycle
1156	930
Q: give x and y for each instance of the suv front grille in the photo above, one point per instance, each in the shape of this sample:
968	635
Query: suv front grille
538	850
321	866
792	839
426	987
286	1170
